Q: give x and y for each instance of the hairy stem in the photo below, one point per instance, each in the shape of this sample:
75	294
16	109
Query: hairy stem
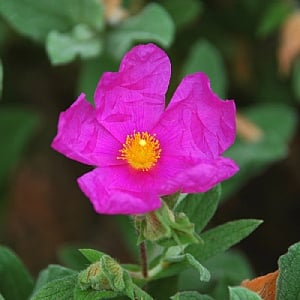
144	261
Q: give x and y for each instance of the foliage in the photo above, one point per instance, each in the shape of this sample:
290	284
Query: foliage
13	274
105	278
288	280
235	43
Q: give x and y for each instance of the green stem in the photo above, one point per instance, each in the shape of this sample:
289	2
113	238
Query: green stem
151	273
144	260
157	269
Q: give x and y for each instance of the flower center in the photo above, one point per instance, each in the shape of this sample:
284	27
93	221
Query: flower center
141	150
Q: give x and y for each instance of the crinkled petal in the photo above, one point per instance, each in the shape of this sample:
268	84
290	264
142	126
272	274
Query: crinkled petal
201	177
134	98
112	191
82	138
196	123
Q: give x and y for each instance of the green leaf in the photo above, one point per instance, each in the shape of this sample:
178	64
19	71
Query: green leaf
163	288
288	283
173	265
65	47
58	289
226	269
16	127
190	296
253	157
205	57
93	277
114	273
106	274
1	297
153	23
183	12
91	254
190	260
230	265
241	293
200	207
140	294
222	237
15	283
36	18
70	256
52	272
273	17
91	294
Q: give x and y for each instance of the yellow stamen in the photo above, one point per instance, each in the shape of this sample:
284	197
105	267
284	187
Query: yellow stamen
141	150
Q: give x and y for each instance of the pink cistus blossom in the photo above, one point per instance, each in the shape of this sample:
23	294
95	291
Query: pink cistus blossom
140	149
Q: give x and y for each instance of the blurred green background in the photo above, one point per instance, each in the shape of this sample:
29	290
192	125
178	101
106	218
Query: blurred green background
51	51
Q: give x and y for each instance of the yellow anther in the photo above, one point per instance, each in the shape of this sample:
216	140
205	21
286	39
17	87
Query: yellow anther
141	150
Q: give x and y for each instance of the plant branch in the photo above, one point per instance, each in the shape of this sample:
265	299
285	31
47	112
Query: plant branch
144	261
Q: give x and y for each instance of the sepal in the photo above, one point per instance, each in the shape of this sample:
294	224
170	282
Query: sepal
166	227
109	277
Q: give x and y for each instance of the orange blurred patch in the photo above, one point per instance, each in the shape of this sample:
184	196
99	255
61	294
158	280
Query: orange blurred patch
247	130
289	46
114	12
264	285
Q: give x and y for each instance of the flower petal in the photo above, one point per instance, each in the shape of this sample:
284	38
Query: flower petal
196	123
111	193
82	138
202	176
134	98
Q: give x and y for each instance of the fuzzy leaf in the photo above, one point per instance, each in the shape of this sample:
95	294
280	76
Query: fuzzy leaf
91	294
206	58
52	272
222	237
91	254
230	265
238	293
191	261
70	256
288	283
65	47
36	18
153	23
105	279
191	296
176	264
61	289
15	283
140	294
226	269
113	272
200	207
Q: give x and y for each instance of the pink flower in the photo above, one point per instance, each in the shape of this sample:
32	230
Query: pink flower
141	150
